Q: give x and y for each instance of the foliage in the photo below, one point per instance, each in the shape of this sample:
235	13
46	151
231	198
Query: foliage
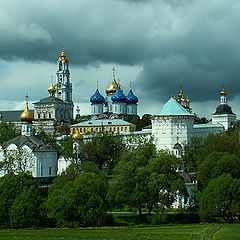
11	186
7	131
216	164
27	209
16	160
199	120
81	200
105	149
144	179
140	123
221	198
191	152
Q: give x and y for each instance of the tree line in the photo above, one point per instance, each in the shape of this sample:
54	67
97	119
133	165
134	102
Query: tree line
140	178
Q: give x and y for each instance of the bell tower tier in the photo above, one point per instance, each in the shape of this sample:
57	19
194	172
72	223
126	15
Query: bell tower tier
63	84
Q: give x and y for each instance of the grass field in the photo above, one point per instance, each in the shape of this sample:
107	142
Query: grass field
228	232
176	232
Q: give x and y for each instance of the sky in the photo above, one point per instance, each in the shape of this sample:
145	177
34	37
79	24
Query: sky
158	45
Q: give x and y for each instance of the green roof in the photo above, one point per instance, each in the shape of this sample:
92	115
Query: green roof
172	107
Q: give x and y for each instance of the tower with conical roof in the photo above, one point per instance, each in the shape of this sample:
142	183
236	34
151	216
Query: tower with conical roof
172	124
63	83
224	114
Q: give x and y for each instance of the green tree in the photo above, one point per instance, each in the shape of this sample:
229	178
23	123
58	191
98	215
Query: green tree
11	186
104	149
144	179
191	152
7	131
27	209
216	164
221	198
80	201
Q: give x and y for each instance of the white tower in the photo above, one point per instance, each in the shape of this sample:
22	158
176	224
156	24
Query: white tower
224	114
63	84
170	123
26	118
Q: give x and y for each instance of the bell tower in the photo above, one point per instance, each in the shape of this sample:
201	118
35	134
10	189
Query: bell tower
63	84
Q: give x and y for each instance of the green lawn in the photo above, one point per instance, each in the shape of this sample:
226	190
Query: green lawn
175	232
178	232
228	232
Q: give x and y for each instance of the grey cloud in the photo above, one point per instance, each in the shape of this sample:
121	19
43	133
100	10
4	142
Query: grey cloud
189	43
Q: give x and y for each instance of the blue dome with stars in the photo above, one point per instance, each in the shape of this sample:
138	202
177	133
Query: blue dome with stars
96	98
131	98
118	96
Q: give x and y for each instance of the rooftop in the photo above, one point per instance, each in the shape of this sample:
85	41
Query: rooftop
173	108
103	122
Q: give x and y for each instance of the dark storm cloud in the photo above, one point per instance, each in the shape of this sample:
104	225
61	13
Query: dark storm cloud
193	44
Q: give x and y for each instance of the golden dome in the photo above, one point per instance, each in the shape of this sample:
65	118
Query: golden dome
26	116
112	87
187	99
51	90
180	95
62	57
223	92
77	136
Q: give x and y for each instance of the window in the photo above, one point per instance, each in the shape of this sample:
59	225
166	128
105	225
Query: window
44	115
96	129
50	115
80	129
121	128
39	115
91	129
50	171
110	129
114	129
118	129
125	129
84	129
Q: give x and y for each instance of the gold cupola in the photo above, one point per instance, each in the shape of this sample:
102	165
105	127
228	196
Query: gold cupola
62	57
51	90
26	116
113	86
223	92
77	136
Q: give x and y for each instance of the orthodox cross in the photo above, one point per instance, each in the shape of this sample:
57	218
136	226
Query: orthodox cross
27	98
113	69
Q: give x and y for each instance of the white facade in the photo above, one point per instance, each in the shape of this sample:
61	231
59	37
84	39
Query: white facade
131	109
226	120
41	163
174	124
96	109
119	108
224	114
167	129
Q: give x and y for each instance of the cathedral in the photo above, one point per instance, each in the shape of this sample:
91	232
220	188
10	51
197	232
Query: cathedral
116	104
28	153
56	109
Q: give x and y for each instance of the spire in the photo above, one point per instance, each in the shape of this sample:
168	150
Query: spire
62	57
223	93
130	84
114	72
